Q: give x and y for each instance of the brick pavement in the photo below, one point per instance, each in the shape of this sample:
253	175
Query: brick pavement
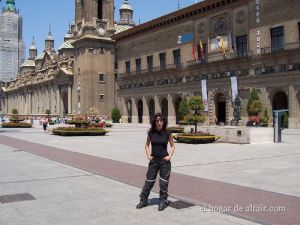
235	200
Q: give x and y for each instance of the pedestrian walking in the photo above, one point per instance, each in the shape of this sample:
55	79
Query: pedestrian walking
159	161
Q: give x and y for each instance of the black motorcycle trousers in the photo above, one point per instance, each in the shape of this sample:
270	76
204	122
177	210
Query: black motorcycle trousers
164	168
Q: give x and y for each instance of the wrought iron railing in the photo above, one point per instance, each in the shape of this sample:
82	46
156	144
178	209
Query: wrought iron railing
219	57
152	70
286	47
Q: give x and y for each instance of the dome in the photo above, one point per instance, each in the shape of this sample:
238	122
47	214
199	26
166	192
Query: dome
69	35
49	38
10	6
126	6
32	47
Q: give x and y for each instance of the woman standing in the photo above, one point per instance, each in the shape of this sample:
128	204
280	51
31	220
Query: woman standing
160	161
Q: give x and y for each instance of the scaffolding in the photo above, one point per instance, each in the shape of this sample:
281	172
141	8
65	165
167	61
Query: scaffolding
12	53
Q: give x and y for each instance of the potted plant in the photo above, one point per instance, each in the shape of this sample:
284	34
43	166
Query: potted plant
115	115
254	108
194	114
265	118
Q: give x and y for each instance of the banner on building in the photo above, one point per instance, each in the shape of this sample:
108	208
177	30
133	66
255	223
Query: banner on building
220	43
234	88
204	95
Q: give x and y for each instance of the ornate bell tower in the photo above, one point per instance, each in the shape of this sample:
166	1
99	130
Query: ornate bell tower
94	81
94	16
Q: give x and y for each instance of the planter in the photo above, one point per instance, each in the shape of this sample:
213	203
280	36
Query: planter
16	125
195	139
175	130
71	131
78	123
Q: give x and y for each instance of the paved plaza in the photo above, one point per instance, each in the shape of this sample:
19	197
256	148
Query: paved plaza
97	180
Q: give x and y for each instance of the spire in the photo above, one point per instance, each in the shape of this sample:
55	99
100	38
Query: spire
69	34
49	33
10	6
178	4
49	42
33	47
32	50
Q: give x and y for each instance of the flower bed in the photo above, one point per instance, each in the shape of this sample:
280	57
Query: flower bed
175	130
16	125
100	125
196	138
71	131
78	123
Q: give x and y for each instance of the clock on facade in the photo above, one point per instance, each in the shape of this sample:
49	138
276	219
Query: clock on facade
221	27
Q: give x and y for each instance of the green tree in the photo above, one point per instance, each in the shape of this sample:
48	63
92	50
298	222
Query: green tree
48	112
266	117
285	120
14	111
183	108
254	106
115	115
195	115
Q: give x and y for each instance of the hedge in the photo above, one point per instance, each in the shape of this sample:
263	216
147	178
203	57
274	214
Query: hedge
175	130
193	139
71	131
16	125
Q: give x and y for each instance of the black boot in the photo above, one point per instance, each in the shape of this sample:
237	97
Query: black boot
162	205
142	204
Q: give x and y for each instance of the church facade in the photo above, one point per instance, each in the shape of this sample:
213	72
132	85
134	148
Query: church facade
227	47
79	78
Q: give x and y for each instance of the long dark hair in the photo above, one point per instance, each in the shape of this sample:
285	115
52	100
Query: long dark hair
153	123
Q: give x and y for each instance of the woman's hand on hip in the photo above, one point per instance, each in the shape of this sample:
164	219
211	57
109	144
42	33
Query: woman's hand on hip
149	157
168	158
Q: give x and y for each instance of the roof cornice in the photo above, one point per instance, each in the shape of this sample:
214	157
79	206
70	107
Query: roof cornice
194	11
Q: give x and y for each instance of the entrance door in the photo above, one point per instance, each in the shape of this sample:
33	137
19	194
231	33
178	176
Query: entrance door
164	108
221	110
140	111
151	109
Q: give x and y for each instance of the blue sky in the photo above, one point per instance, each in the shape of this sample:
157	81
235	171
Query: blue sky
38	14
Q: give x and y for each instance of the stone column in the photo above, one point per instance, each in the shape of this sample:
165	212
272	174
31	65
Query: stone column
292	107
58	102
171	111
135	118
21	104
297	109
30	102
146	119
69	99
123	109
156	103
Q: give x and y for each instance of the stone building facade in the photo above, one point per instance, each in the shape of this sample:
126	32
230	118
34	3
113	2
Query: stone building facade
256	41
79	78
152	66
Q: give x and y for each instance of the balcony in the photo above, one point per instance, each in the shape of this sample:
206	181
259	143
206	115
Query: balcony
286	47
213	57
170	67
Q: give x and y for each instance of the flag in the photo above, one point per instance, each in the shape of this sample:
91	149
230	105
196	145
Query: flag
232	41
201	49
194	52
234	88
204	95
222	45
